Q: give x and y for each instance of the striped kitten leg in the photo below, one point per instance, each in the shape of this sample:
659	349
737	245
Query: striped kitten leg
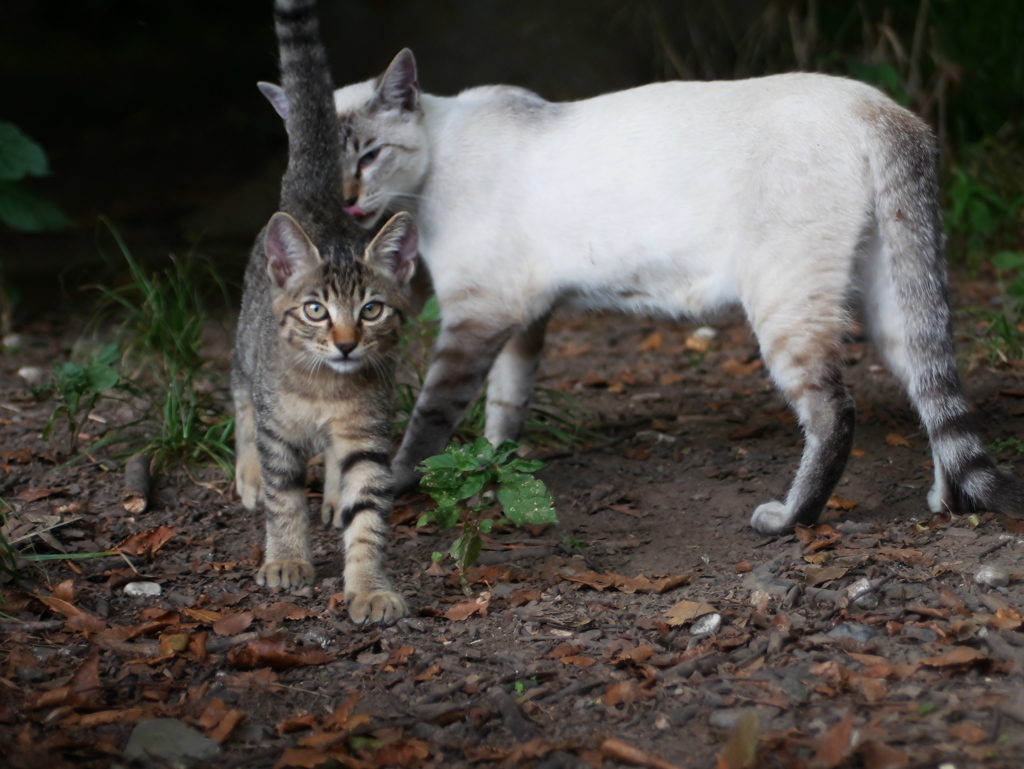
510	383
462	357
287	561
358	492
247	458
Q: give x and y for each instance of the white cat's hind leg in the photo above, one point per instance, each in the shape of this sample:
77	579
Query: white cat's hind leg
511	381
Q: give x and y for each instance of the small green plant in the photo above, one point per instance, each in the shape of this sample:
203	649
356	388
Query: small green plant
573	544
1007	443
467	482
77	387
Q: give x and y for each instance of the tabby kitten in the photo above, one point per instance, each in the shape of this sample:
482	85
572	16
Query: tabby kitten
808	200
321	311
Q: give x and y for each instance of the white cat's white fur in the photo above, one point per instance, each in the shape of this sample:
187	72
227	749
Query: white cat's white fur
797	196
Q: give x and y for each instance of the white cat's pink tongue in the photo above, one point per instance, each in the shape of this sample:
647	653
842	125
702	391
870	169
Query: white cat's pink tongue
354	211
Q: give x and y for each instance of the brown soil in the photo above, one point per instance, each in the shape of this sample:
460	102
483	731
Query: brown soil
568	654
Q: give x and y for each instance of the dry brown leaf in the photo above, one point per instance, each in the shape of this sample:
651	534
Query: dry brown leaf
232	624
463	610
667	380
65	591
734	367
227	725
147	543
173	643
740	752
894	439
429	674
654	342
281	611
402	753
32	495
836	503
270	652
624	753
960	655
401	655
572	349
523	596
205	616
878	755
684	611
819	575
296	724
621	693
624	584
969	732
835	744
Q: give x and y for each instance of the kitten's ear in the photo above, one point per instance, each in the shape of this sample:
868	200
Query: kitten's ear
398	87
393	251
289	250
275	95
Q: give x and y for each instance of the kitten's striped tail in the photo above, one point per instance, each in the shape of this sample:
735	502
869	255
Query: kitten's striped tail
314	147
908	310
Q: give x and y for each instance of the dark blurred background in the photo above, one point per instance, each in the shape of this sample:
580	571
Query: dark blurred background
150	115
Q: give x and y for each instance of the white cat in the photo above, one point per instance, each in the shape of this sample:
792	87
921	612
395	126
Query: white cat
809	200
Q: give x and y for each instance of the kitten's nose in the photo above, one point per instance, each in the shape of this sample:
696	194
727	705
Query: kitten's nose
345	347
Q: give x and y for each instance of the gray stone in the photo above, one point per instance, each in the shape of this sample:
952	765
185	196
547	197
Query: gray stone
167	742
709	624
142	589
852	630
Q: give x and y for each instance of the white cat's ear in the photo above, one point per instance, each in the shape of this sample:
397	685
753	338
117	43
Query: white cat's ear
393	251
398	87
289	250
275	95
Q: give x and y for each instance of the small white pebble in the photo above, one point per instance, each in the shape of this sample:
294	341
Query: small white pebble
13	341
142	589
34	375
706	625
993	576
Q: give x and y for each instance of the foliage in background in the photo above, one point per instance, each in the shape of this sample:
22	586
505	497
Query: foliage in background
469	482
160	317
20	158
77	387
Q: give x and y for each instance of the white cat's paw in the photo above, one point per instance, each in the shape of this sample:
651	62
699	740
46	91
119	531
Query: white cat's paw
772	518
936	503
377	606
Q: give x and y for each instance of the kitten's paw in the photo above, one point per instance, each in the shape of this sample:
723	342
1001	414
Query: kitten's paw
772	518
286	574
249	485
330	514
377	606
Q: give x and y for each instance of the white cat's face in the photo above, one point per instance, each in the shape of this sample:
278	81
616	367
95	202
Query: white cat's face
384	151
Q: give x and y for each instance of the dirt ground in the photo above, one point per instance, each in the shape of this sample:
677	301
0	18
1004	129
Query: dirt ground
650	627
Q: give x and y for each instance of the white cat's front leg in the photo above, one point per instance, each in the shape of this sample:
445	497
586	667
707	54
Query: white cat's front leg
461	358
511	381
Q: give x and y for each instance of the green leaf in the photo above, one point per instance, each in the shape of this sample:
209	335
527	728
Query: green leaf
445	479
466	549
1008	260
24	211
526	465
524	499
19	155
439	462
504	451
482	449
485	525
472	485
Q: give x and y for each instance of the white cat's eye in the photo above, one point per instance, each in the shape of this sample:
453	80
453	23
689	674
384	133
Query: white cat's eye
368	158
371	311
314	311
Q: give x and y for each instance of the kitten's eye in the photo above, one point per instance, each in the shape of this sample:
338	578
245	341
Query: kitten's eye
368	158
371	311
315	311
